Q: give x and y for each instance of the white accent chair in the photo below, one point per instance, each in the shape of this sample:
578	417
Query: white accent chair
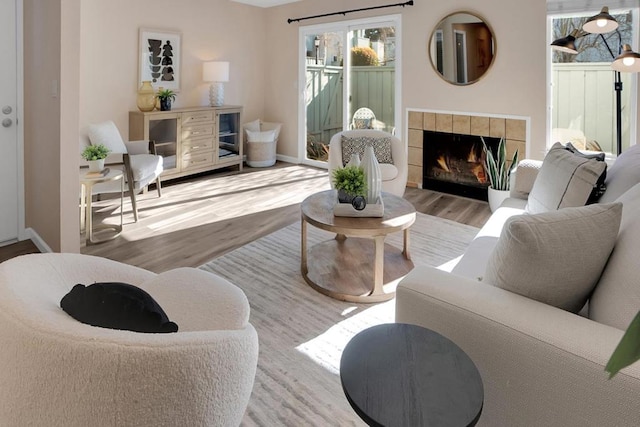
141	167
57	371
394	176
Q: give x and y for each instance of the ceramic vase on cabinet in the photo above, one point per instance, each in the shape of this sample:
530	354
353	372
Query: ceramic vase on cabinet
146	100
372	174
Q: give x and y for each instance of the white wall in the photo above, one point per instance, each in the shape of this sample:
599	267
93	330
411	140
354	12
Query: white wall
211	30
515	85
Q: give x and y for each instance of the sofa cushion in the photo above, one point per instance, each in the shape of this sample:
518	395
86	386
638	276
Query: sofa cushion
357	144
616	299
564	180
555	257
623	174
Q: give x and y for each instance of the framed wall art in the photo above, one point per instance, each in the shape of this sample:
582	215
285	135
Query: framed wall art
159	57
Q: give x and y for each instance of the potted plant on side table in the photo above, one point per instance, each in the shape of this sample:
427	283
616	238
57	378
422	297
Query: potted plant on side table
95	155
351	185
166	97
499	172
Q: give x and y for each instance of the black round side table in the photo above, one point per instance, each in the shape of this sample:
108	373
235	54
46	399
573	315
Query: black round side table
405	375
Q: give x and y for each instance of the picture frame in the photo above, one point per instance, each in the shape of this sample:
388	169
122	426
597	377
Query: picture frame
159	56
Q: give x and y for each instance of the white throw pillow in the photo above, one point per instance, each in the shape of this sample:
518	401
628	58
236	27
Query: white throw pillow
564	180
253	126
265	136
107	134
555	257
623	174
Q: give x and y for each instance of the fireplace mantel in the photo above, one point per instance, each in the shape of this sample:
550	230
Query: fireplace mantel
514	129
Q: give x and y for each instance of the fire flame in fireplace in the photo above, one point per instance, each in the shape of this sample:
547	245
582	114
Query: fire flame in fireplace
442	162
478	166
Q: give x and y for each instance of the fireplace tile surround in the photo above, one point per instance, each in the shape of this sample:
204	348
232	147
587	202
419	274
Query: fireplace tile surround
514	130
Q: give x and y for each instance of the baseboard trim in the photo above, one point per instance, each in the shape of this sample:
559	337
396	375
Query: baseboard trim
37	240
287	159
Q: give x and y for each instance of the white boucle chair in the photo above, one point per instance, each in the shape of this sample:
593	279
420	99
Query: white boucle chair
394	176
57	371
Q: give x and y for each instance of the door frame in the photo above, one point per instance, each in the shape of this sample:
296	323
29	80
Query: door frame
19	29
346	26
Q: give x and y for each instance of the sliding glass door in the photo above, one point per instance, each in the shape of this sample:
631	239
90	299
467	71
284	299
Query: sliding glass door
348	78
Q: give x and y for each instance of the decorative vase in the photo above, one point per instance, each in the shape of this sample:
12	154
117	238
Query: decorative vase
146	100
496	197
372	175
157	105
355	160
96	165
165	104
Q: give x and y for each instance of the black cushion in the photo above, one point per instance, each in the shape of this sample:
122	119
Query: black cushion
117	305
600	187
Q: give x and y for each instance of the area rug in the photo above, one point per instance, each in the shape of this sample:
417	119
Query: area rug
301	332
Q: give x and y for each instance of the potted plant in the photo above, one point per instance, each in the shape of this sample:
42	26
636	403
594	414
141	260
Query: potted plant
499	172
351	185
95	155
166	96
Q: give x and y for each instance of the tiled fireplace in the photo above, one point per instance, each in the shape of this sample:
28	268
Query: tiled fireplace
445	149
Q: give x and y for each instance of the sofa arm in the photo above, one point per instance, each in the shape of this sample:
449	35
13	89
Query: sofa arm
540	365
523	177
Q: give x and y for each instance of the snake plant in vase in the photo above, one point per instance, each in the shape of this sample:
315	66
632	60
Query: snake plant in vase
499	172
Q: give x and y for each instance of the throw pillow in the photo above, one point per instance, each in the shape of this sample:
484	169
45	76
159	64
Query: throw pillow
564	180
107	134
555	257
381	148
265	136
253	126
116	305
623	174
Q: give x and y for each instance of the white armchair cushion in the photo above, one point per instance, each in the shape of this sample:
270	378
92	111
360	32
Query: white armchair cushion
137	147
555	257
107	134
388	171
145	165
622	175
564	180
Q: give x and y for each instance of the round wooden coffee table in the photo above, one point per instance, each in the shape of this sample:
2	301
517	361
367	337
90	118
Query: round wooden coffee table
349	267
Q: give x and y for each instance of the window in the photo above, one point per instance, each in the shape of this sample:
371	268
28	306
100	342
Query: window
583	98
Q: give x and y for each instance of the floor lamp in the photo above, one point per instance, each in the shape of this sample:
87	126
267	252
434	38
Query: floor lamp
626	61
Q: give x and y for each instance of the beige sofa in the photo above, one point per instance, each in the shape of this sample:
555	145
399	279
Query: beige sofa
541	366
56	371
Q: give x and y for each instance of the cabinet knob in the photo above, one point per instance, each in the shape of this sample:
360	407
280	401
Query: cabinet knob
7	123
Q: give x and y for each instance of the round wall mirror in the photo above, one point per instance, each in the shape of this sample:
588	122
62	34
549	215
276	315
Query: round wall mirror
462	48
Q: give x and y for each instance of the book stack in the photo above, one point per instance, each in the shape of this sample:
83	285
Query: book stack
100	174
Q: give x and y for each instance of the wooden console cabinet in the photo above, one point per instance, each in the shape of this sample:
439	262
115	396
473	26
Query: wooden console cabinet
191	140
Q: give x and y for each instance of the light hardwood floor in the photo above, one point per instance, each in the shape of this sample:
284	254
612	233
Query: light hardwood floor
203	217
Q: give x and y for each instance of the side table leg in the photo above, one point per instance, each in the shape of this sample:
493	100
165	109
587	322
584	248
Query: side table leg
405	251
83	209
378	266
303	246
89	221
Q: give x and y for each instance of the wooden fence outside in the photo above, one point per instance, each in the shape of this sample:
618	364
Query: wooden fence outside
371	87
584	98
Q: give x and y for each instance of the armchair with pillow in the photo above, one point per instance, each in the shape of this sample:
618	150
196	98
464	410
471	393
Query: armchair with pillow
390	152
141	167
515	300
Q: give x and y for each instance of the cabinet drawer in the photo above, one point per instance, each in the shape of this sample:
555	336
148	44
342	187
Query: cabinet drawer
196	131
195	145
197	117
195	161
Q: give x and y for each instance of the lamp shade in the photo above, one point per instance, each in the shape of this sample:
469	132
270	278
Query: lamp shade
628	61
215	71
601	23
565	44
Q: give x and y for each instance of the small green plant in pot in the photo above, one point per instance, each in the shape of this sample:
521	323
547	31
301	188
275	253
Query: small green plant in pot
350	183
95	155
166	97
499	172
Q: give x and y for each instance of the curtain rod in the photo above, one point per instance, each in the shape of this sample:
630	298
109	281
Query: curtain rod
344	12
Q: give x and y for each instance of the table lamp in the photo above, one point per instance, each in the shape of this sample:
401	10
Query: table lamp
217	73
